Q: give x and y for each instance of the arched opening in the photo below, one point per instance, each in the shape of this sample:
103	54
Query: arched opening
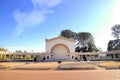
60	51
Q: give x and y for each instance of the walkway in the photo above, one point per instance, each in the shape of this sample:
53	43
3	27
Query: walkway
60	75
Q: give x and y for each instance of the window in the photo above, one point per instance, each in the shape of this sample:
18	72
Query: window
116	55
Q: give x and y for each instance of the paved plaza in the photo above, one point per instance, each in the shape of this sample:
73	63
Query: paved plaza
89	70
60	75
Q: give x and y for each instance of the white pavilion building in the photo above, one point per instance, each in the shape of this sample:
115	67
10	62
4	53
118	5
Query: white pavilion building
61	48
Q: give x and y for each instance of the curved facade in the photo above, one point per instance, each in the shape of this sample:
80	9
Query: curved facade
59	47
60	51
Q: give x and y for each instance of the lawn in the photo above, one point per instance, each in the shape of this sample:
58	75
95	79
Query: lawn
46	65
39	66
110	65
59	66
5	65
77	66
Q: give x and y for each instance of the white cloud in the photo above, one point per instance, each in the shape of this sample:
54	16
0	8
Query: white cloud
28	19
45	3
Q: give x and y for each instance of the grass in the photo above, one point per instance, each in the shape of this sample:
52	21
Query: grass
62	66
46	65
39	66
76	65
110	65
5	65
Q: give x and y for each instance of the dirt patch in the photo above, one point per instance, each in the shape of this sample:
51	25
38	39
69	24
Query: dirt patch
76	68
2	67
32	69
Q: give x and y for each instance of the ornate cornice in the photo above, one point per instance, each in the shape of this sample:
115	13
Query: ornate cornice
60	37
60	44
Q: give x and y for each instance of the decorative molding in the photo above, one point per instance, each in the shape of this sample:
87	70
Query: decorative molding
61	37
60	44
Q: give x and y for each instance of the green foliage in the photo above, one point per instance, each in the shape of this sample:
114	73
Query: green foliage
95	48
77	49
89	48
18	51
28	57
84	38
25	51
21	57
38	57
85	41
116	31
32	57
14	56
114	45
67	33
4	57
3	49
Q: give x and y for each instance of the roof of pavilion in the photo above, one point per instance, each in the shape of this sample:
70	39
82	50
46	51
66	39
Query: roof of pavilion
60	37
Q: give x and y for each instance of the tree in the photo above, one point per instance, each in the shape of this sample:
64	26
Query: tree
95	48
25	51
77	49
27	57
3	57
116	31
84	38
18	51
90	47
3	49
67	33
39	57
114	45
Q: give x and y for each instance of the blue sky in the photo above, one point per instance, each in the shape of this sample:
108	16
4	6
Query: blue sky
25	24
